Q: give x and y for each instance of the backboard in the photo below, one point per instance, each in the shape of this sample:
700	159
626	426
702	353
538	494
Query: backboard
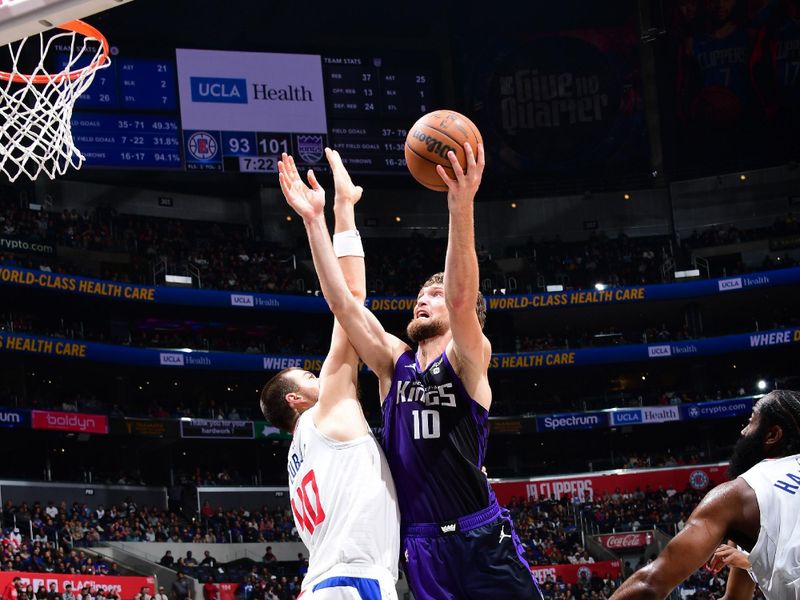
22	18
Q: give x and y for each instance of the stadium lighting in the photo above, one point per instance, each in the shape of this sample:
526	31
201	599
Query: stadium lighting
761	385
178	279
689	273
555	288
513	205
600	286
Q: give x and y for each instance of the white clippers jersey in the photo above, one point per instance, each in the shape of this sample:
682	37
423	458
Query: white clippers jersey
776	555
344	502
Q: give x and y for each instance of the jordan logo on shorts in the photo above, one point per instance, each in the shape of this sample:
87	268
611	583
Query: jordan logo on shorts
503	534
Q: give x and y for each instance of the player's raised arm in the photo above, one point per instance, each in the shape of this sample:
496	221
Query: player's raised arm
721	511
461	275
366	334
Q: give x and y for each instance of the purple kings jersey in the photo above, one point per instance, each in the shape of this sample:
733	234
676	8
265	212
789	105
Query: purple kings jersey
434	437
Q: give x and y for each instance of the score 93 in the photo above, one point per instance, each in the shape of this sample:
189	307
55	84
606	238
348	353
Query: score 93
256	144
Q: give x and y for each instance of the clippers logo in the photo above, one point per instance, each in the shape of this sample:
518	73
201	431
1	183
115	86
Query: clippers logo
170	359
730	284
218	89
202	145
699	480
242	300
659	351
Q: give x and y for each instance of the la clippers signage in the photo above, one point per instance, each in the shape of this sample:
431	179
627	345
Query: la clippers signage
624	541
589	486
69	421
126	587
571	574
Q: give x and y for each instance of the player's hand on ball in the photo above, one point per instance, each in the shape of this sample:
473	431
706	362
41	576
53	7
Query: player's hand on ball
344	189
463	188
308	202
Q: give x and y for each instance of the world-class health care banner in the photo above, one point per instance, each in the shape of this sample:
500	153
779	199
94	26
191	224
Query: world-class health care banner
81	350
148	294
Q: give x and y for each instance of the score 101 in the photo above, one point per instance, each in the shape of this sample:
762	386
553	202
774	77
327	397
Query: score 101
246	143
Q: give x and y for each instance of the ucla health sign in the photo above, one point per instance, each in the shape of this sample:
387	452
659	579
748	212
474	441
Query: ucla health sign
224	91
644	415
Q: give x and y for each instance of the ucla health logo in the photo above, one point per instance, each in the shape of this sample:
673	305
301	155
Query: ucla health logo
730	284
659	351
218	89
171	359
242	300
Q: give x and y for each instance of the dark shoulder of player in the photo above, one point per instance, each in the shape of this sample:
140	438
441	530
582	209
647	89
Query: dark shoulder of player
736	502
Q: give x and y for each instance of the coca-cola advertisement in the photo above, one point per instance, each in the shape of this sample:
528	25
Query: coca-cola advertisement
623	541
126	587
589	486
572	573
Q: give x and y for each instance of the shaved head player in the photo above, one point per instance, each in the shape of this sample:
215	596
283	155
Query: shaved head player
457	543
759	510
340	486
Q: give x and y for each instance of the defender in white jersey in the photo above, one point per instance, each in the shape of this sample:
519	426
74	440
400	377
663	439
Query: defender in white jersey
341	490
758	510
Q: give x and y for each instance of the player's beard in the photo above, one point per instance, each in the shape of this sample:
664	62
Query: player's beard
747	453
423	329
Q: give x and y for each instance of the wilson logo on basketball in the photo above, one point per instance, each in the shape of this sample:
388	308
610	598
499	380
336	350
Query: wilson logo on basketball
432	144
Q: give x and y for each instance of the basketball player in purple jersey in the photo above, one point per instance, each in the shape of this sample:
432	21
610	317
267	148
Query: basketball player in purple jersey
457	543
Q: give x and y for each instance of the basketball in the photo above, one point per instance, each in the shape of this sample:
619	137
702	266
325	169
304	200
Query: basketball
431	138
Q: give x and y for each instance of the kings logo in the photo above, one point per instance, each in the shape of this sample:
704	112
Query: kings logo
310	148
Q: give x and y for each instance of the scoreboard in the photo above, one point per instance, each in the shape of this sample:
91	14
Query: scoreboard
224	111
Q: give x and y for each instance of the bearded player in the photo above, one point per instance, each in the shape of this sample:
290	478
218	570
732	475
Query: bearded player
457	543
757	510
341	490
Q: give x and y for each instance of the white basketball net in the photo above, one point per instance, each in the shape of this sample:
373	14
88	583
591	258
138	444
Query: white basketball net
36	105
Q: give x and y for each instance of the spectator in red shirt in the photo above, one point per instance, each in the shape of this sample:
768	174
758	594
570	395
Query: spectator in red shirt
210	589
12	590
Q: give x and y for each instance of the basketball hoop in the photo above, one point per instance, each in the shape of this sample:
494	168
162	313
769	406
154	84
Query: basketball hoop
36	106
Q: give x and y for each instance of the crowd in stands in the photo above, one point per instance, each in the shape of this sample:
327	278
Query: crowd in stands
550	529
231	257
25	591
83	526
40	555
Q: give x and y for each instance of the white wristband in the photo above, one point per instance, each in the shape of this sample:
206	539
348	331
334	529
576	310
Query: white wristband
348	243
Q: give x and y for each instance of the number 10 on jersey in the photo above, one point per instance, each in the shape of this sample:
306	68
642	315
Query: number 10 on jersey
426	424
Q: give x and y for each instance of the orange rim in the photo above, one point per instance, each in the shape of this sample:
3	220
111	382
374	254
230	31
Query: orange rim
85	30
